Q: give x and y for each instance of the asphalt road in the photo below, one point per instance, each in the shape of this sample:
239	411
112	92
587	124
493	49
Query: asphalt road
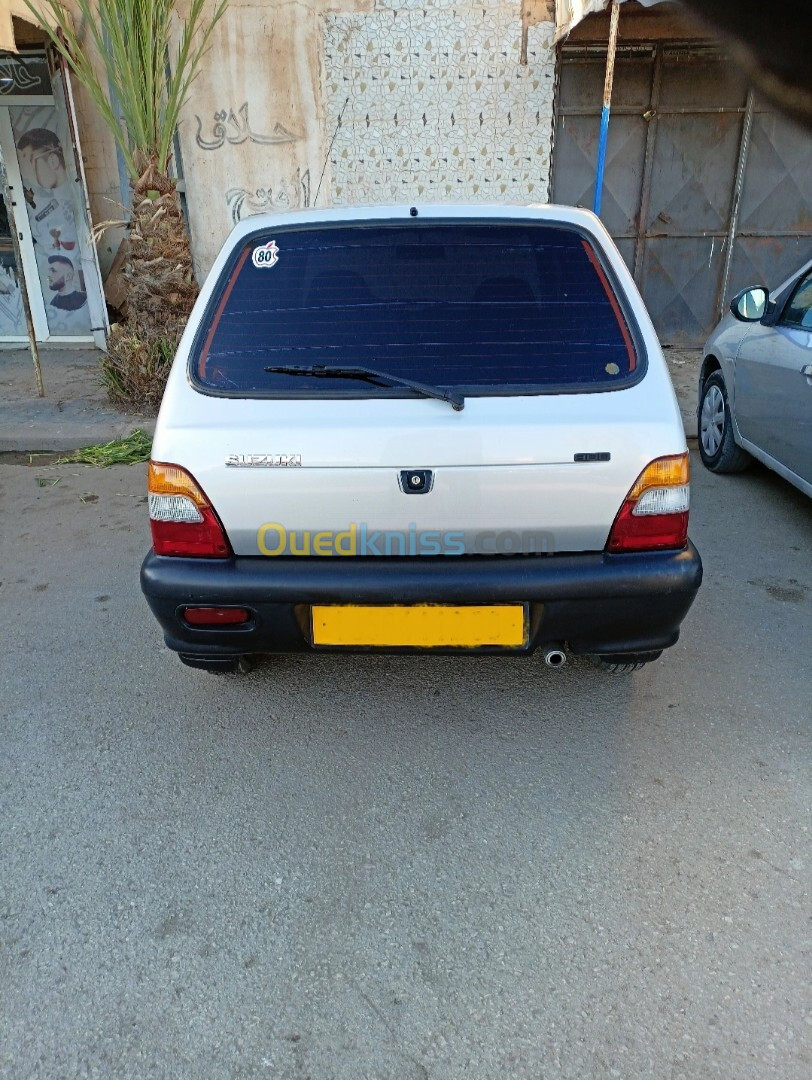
393	867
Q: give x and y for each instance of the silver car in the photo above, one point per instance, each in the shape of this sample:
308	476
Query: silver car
420	429
755	385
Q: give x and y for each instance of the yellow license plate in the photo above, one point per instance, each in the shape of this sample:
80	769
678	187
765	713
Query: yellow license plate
420	625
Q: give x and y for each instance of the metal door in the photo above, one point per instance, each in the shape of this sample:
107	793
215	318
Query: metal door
705	190
63	95
49	197
773	231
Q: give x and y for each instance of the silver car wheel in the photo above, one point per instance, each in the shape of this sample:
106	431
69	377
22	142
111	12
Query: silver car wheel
712	421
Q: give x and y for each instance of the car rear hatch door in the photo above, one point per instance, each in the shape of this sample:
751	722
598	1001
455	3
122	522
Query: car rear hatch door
506	475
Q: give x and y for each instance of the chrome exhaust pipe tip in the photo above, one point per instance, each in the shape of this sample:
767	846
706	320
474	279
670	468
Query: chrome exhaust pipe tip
554	656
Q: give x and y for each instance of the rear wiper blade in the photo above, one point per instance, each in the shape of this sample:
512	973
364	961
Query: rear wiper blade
323	371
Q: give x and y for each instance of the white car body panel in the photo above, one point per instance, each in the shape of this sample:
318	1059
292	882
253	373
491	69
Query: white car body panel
503	463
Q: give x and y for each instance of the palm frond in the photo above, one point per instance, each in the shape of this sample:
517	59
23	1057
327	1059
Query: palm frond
133	39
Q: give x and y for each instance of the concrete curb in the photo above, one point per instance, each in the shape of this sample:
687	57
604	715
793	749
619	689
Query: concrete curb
75	411
63	435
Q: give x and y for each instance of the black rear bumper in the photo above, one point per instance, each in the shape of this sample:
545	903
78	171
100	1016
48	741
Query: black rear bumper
595	603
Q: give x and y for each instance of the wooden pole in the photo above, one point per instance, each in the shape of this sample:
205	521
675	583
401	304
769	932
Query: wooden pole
607	104
15	240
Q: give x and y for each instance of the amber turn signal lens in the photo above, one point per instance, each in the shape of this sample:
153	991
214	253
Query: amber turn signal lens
663	472
163	479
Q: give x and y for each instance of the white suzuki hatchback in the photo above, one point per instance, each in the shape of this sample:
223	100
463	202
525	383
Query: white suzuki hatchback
433	429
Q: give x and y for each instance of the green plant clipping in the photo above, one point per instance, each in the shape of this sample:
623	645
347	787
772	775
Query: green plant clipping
134	371
136	447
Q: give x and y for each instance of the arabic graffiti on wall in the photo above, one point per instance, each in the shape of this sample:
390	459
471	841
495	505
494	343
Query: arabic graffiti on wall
242	202
235	128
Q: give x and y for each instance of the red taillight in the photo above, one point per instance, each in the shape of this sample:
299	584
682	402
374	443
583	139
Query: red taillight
216	616
182	519
630	533
654	515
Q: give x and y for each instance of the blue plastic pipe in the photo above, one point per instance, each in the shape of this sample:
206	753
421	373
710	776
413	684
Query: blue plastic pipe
614	18
602	141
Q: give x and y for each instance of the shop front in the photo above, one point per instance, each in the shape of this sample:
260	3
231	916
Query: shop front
41	157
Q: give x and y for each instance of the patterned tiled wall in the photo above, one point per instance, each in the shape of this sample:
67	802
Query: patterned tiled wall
437	104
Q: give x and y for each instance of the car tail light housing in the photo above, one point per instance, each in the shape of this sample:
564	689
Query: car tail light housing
182	519
654	515
216	616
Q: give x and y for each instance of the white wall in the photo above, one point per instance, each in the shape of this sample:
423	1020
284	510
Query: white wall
264	65
440	107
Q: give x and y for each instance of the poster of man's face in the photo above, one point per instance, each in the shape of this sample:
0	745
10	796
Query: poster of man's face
42	159
60	274
63	282
54	209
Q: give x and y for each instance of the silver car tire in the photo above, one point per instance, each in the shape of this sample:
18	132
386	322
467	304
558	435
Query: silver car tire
717	447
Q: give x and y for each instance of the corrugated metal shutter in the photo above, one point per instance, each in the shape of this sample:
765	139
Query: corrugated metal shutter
706	189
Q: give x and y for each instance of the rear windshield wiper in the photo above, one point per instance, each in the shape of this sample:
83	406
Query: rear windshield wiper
322	371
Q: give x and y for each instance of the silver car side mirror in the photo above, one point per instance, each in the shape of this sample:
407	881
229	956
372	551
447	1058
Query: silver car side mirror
749	305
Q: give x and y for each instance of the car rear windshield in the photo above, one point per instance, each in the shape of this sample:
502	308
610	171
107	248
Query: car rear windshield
485	308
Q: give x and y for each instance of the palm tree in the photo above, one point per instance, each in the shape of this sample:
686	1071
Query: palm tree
151	85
